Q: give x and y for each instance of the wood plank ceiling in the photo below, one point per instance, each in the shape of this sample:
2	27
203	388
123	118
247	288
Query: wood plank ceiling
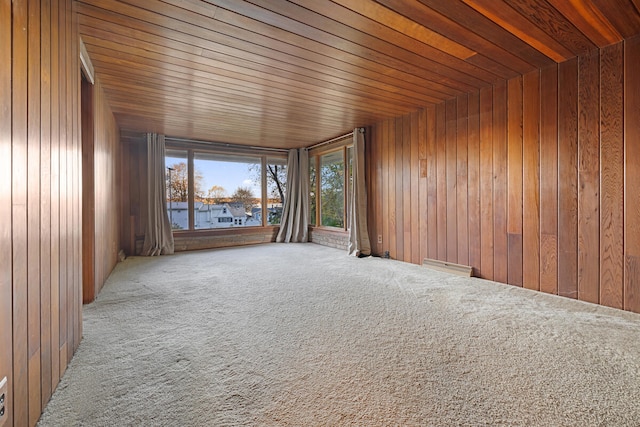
284	74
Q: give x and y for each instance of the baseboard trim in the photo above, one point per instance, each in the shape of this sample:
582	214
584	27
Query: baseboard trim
448	267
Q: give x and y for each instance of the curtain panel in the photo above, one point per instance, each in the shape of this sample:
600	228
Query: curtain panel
359	244
294	226
158	238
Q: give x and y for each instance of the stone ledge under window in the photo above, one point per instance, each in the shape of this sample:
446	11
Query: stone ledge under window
334	238
210	239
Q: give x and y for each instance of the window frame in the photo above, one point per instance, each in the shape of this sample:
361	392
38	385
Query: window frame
210	148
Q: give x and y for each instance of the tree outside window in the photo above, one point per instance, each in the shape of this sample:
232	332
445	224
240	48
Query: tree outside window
332	189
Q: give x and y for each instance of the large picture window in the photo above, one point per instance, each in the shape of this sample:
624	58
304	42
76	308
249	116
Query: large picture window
207	189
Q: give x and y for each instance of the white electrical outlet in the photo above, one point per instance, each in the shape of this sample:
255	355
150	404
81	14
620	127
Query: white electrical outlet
3	401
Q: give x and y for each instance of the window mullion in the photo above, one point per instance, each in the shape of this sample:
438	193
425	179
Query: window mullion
263	177
191	198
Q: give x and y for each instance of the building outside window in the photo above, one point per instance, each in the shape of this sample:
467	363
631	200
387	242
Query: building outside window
207	189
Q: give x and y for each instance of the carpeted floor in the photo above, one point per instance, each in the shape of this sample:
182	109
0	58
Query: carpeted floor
303	335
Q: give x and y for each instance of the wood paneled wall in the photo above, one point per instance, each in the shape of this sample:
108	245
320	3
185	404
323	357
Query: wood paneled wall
133	199
533	181
40	201
107	187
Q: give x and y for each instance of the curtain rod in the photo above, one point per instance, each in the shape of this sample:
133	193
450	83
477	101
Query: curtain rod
227	145
337	138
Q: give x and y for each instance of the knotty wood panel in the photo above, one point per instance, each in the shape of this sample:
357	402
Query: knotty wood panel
612	177
531	181
567	179
514	181
549	179
500	246
589	177
632	176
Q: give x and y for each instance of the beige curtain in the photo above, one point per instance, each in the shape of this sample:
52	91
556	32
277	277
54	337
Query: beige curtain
294	226
158	238
359	244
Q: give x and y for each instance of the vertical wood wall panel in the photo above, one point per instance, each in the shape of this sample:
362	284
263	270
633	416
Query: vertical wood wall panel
33	212
549	180
432	189
414	158
106	227
19	213
406	187
462	179
473	183
588	177
6	272
531	181
393	218
441	181
451	180
45	208
399	189
500	242
40	285
378	171
632	176
486	184
384	150
567	179
423	203
514	181
55	194
612	177
63	297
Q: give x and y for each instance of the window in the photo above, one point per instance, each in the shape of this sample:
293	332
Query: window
276	188
331	178
177	184
312	187
332	189
209	189
226	185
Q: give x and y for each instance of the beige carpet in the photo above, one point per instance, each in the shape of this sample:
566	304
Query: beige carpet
303	335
